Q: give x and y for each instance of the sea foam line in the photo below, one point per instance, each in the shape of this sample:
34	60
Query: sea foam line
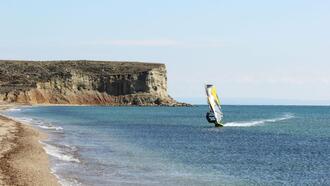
63	181
59	153
37	123
258	122
50	127
13	109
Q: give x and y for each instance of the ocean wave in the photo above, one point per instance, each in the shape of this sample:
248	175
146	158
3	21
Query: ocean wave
23	120
51	127
13	110
259	122
65	182
38	123
65	153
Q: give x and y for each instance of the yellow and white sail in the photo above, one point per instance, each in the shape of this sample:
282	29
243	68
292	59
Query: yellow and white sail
214	103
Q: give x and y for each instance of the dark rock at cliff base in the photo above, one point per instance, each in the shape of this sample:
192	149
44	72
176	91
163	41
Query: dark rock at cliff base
84	82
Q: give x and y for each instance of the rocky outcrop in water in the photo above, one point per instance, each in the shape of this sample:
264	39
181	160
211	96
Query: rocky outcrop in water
84	82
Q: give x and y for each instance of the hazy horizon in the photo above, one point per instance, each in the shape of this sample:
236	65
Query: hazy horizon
255	52
257	101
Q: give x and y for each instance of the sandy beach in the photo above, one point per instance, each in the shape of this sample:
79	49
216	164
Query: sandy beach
23	161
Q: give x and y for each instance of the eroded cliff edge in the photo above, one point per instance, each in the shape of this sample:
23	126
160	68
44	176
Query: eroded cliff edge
84	82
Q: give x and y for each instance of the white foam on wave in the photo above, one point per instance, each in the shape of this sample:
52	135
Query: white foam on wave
38	123
59	153
258	122
13	109
24	120
68	183
63	181
50	127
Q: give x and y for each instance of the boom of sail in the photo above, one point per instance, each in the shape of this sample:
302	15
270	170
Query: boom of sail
215	114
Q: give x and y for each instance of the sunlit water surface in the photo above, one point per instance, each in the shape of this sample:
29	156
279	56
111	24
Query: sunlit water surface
259	145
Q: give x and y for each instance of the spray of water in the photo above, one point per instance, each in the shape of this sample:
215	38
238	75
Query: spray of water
259	122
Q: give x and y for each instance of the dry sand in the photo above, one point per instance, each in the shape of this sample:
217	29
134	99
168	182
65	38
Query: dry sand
23	161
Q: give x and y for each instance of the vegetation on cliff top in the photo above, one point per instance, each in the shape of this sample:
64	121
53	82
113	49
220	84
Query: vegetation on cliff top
84	82
24	75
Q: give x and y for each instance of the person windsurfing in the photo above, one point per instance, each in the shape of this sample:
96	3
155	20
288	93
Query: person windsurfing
215	114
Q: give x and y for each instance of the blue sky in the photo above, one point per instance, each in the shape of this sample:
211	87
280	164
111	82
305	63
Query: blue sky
255	52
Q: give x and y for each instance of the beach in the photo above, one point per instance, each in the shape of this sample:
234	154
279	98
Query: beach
23	161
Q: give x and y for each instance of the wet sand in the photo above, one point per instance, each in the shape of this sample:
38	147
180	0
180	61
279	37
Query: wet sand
23	161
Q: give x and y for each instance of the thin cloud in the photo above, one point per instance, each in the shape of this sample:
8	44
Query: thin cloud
297	80
145	43
159	43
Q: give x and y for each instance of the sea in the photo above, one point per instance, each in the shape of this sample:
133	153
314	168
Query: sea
258	145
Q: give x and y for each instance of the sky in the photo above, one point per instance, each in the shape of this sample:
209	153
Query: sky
255	52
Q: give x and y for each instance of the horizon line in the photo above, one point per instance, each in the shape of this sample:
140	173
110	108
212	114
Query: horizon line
294	105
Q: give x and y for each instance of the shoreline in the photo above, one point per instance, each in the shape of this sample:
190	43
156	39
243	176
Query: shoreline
23	160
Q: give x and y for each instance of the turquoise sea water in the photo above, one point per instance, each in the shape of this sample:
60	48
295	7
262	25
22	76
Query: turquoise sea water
259	145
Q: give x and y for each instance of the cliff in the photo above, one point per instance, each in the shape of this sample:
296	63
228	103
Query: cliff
84	82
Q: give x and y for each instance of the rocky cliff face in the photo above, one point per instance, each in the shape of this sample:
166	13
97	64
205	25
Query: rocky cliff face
84	82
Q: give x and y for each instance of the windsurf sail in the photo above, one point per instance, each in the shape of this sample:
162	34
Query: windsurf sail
215	115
